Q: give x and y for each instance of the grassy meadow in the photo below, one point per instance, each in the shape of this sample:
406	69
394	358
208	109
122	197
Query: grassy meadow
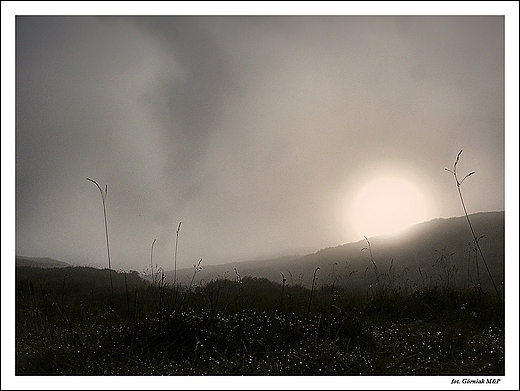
68	322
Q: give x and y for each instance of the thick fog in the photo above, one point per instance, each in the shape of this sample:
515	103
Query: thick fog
257	133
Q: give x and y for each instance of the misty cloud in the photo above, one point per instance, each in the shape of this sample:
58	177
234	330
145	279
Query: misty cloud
255	132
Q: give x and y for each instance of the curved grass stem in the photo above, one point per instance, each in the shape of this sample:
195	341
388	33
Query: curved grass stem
474	236
103	197
175	257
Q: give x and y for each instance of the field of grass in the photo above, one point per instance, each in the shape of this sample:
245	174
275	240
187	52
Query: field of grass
68	322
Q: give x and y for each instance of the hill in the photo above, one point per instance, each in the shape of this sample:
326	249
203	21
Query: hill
39	262
78	279
439	252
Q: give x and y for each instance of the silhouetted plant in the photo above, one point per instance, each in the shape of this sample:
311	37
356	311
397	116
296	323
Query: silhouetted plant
283	282
476	260
213	291
162	286
474	236
175	256
103	197
237	276
350	273
447	270
373	262
196	268
333	277
127	296
312	290
63	295
391	275
151	261
422	277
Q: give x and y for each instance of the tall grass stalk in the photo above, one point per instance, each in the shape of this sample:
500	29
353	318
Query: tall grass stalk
127	297
373	262
161	285
474	236
45	308
196	268
103	197
333	276
63	295
238	283
237	276
422	277
213	297
175	256
283	282
312	290
151	261
476	260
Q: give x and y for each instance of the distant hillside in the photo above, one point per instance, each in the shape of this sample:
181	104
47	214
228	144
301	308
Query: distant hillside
437	252
78	279
39	262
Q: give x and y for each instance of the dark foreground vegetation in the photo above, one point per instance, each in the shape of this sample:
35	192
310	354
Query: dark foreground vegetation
68	322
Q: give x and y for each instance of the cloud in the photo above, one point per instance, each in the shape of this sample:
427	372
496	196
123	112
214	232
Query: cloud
255	132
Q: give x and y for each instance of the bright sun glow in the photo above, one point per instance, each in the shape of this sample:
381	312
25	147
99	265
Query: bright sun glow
387	205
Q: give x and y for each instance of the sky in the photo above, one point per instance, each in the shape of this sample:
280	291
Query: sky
256	133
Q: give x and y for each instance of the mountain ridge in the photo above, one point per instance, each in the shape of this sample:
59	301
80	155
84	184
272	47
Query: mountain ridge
438	251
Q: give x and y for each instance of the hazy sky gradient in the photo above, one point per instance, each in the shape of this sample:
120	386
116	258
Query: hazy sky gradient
256	132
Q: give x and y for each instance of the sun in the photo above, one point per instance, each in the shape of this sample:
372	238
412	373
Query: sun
386	205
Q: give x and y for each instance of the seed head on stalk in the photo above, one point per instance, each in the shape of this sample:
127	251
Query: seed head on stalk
474	236
103	197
